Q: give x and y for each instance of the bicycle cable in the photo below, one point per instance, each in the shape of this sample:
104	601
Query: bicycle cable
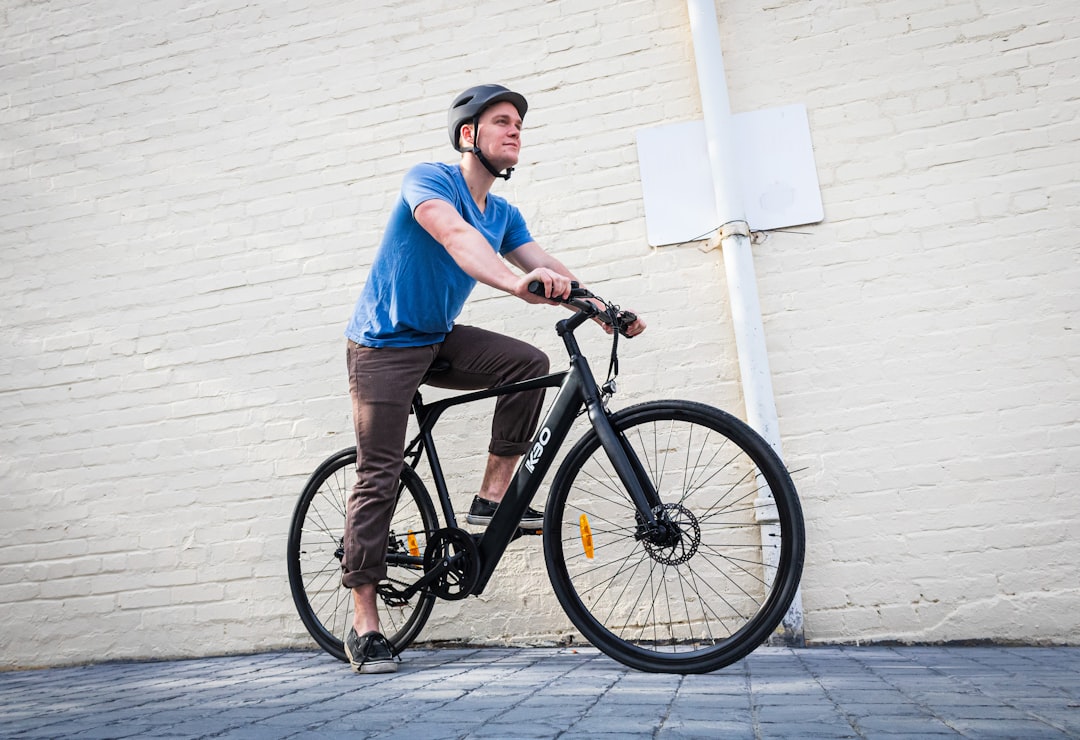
613	365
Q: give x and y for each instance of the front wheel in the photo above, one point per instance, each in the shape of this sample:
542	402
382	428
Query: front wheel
316	548
714	578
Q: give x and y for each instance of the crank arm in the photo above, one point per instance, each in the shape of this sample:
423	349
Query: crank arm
431	576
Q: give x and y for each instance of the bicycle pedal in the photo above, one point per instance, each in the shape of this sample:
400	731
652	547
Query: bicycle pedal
534	532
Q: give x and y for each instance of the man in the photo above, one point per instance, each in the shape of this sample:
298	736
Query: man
446	232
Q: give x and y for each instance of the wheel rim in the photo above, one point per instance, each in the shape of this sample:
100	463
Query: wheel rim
693	597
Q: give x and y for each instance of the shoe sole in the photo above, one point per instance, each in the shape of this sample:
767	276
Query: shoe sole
381	666
523	524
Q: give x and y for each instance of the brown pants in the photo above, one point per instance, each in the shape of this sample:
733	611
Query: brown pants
382	382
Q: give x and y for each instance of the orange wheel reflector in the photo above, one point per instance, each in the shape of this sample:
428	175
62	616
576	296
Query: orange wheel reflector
586	536
414	549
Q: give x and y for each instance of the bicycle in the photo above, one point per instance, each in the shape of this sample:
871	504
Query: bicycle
673	535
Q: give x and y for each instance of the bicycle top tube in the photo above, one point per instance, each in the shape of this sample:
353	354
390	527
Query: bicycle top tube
430	412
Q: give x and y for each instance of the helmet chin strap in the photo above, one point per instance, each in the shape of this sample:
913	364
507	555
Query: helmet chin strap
480	155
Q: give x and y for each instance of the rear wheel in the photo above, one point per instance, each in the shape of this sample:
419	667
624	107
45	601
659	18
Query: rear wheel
316	548
714	578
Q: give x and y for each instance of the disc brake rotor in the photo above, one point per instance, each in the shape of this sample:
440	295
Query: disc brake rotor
681	539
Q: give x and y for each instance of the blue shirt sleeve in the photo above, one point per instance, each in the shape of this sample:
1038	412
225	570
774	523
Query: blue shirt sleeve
425	182
517	232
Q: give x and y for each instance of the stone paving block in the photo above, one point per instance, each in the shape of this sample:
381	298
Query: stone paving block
845	697
807	714
991	728
950	702
896	709
683	705
511	730
913	726
798	730
414	730
728	729
592	724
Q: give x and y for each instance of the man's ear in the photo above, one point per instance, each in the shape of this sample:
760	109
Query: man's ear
467	136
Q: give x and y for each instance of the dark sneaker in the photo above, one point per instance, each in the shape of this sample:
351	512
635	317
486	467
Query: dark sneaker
482	510
370	653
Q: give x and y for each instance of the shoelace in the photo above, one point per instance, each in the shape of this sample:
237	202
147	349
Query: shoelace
366	648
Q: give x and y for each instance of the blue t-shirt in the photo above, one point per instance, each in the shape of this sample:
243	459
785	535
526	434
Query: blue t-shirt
415	290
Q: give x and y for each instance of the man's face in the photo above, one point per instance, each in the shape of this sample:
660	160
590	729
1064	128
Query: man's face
500	135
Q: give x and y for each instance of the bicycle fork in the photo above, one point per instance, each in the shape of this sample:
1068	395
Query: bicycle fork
627	465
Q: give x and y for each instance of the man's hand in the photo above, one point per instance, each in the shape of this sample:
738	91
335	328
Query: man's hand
555	286
632	330
636	328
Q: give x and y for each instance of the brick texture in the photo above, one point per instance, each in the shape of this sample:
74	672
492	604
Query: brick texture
190	196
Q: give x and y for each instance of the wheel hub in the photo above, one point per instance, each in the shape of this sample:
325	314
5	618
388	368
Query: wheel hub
676	537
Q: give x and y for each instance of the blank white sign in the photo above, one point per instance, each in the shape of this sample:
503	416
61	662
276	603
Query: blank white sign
777	174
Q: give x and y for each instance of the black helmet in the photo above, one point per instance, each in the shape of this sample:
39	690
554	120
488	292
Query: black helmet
467	108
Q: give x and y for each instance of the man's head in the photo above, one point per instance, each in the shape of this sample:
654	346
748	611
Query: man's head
488	108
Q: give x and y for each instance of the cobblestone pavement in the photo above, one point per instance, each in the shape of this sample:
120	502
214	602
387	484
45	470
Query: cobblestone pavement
820	692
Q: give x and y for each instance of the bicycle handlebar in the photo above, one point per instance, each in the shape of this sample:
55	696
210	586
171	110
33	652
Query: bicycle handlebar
610	314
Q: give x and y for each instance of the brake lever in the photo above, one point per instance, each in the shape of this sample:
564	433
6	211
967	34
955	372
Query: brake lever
623	321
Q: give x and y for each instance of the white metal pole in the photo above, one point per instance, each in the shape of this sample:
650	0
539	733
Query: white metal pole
738	263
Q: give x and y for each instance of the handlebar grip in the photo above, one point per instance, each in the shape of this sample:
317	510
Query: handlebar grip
537	288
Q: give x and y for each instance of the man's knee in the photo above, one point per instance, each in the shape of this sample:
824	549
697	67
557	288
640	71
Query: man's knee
537	362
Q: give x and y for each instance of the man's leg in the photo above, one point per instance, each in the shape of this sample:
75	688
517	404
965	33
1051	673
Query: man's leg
382	383
483	359
497	476
365	609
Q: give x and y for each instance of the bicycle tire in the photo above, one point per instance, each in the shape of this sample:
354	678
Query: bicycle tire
316	547
711	594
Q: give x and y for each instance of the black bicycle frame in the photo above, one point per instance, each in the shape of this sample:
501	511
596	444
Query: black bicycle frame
577	389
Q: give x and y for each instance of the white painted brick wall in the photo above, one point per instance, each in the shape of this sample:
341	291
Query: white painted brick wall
189	201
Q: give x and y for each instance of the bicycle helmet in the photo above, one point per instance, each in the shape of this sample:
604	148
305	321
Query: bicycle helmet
467	108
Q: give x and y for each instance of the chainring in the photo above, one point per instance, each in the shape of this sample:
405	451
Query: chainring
456	549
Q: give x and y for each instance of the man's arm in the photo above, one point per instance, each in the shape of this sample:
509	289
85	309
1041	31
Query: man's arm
475	256
532	256
471	251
